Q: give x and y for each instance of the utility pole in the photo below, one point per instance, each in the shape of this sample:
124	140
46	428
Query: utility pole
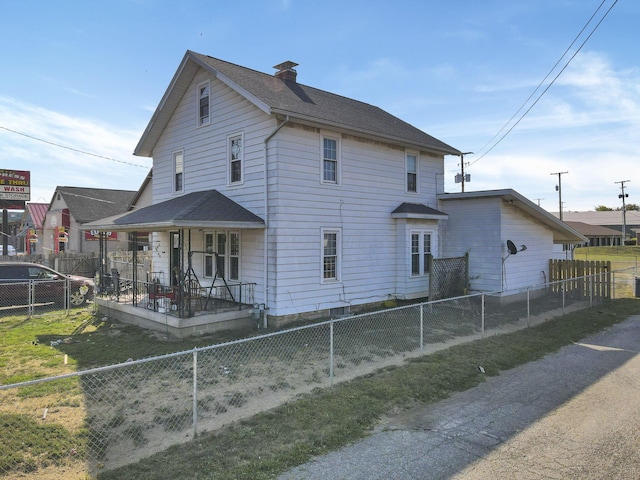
624	209
462	178
559	190
538	200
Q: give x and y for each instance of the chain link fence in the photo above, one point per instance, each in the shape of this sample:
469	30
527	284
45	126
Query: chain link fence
43	295
87	422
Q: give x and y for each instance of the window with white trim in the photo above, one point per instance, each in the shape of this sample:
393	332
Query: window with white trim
223	255
331	254
236	153
412	172
178	171
203	103
330	159
420	252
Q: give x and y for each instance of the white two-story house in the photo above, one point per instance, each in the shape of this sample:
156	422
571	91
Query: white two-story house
321	203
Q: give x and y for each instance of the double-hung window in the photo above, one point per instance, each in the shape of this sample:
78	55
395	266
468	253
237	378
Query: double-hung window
330	255
412	172
223	255
420	252
203	103
236	153
330	159
178	171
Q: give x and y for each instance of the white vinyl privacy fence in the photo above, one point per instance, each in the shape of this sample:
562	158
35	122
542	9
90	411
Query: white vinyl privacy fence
103	418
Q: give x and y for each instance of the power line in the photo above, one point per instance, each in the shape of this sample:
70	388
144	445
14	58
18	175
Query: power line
72	149
547	76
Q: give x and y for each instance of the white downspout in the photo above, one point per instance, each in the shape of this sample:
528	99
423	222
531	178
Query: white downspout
266	218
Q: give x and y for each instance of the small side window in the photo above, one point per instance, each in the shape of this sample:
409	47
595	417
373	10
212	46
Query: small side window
203	103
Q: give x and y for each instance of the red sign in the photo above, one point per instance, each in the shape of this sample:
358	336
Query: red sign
91	235
15	189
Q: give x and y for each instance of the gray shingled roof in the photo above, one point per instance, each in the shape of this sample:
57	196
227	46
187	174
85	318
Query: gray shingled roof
417	208
592	230
89	204
295	99
191	210
298	101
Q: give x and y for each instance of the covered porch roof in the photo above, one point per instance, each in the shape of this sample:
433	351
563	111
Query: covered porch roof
205	209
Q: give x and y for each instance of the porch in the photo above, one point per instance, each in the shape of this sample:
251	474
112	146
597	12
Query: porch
196	280
167	309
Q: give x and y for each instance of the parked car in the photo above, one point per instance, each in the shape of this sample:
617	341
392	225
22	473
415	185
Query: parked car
11	250
49	285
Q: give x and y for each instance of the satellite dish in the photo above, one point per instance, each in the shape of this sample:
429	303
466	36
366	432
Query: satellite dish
512	247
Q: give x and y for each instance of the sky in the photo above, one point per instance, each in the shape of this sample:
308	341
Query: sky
534	88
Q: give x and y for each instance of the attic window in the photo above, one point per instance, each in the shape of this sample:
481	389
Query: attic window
235	159
178	171
412	172
203	104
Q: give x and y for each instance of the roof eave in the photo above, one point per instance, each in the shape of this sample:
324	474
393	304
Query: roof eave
562	233
419	216
368	133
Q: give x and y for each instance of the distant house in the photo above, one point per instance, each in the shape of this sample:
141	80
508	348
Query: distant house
311	202
73	207
597	235
31	227
611	219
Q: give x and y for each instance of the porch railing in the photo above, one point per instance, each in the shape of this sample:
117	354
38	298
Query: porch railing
175	300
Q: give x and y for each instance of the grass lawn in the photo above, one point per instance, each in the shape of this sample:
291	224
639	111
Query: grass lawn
620	257
270	442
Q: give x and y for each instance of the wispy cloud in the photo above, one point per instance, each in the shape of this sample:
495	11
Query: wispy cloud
51	165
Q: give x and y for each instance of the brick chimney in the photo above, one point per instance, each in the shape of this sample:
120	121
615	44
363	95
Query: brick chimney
286	71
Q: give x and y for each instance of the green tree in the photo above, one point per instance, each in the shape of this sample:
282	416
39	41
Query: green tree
602	208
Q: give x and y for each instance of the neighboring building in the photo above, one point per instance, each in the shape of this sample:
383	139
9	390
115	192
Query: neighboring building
597	235
612	219
31	227
482	223
14	219
321	202
71	208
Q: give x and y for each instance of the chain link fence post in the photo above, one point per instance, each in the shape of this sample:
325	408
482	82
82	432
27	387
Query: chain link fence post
331	353
421	306
482	315
195	392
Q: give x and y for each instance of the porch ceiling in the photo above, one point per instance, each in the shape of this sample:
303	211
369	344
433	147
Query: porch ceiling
206	209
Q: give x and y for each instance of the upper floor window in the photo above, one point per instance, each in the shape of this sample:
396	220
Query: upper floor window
330	255
178	171
203	103
236	152
420	252
412	172
330	158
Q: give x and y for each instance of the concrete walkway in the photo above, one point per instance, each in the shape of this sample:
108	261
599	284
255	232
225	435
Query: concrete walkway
573	414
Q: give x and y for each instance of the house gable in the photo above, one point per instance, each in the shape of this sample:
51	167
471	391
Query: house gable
286	98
